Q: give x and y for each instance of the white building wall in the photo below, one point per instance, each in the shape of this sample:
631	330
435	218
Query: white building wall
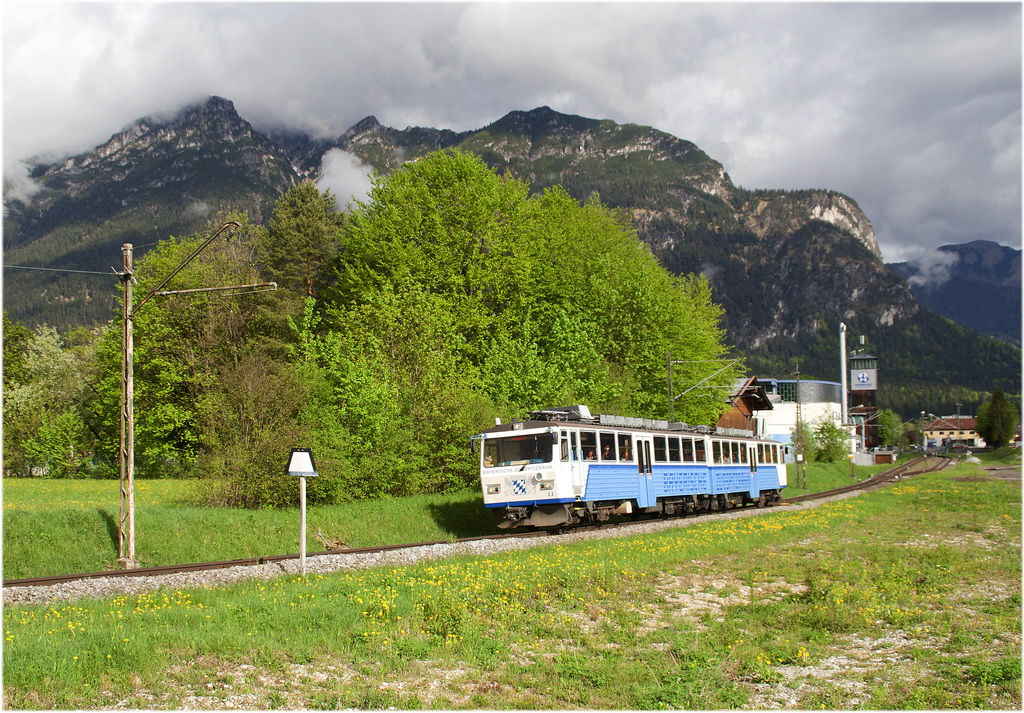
780	422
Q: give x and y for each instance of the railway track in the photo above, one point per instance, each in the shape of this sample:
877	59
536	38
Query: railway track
248	562
921	464
913	467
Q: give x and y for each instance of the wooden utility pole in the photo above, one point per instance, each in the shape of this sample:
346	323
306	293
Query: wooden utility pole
126	521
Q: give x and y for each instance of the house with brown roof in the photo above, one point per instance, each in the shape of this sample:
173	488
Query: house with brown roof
746	401
953	431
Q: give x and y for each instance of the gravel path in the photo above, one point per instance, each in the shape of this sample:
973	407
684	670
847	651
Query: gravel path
100	587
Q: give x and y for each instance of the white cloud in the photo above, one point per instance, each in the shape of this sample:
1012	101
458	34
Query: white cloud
18	185
345	176
913	109
933	267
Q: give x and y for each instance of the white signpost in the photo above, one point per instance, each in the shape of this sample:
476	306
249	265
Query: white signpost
300	464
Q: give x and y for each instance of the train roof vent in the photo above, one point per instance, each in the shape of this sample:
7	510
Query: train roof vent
563	413
740	432
630	422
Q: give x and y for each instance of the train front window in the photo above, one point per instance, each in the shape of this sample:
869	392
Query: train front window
518	450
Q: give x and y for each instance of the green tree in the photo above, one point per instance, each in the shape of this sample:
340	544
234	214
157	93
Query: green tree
805	441
832	445
550	300
997	420
16	338
44	425
297	248
890	428
251	421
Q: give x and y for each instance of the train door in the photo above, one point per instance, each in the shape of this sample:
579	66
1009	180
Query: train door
571	455
645	471
753	460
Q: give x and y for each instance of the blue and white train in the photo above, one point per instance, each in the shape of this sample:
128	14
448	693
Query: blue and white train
564	466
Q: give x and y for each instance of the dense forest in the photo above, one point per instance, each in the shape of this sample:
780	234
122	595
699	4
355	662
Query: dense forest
450	297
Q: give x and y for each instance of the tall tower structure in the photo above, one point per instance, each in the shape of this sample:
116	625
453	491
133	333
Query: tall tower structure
864	399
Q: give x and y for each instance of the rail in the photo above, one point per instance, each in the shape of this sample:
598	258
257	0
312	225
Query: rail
906	469
909	468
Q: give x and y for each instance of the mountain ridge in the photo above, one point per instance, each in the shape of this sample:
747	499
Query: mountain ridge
976	284
787	266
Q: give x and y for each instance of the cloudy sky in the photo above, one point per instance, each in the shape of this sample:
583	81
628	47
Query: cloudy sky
912	109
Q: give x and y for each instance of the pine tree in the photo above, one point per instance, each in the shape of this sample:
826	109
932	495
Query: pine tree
302	238
997	420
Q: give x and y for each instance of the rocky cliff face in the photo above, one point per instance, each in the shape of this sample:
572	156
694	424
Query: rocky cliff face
777	260
767	213
149	154
786	266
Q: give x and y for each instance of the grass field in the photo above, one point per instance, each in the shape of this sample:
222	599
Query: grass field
68	526
907	597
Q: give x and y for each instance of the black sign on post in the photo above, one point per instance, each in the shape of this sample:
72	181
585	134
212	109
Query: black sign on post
301	463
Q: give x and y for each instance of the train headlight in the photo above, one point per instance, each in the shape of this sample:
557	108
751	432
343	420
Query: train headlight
493	489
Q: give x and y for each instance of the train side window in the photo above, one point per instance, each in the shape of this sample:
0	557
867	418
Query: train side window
700	451
607	446
742	448
659	450
565	447
716	449
688	450
625	447
588	440
674	454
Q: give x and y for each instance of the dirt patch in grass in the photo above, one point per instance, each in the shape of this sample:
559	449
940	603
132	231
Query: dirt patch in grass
1004	472
692	597
859	664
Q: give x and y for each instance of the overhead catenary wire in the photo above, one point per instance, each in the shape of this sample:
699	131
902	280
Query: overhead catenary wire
59	269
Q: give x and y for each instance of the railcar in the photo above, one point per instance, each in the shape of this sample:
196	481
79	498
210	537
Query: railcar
564	466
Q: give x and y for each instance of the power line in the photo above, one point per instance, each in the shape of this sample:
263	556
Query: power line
56	269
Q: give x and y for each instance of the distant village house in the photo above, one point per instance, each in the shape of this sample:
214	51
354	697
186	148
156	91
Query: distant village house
950	431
